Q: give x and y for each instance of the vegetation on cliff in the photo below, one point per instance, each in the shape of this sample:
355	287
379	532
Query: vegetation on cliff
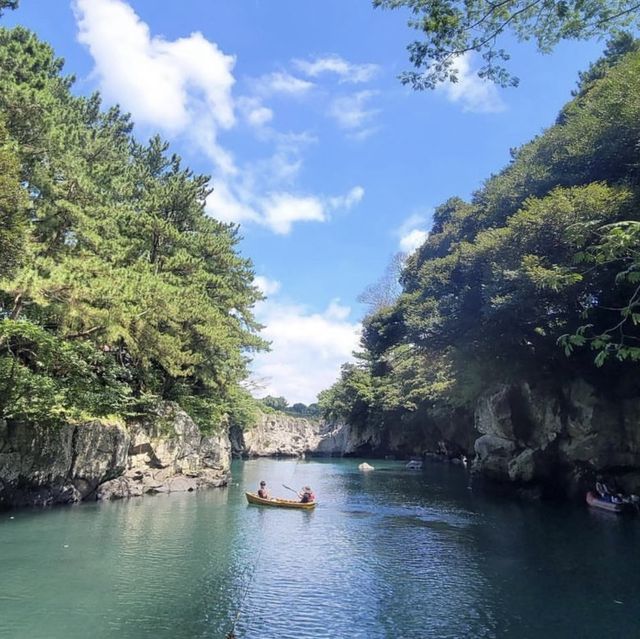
116	289
537	276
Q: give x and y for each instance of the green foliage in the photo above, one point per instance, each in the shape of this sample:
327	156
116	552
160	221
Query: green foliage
304	410
276	403
350	398
115	260
451	28
13	202
544	260
8	4
49	380
618	248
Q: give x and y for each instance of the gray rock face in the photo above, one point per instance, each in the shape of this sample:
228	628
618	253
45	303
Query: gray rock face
165	453
283	435
557	435
43	466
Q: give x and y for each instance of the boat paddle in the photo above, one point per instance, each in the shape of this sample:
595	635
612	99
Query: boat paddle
291	489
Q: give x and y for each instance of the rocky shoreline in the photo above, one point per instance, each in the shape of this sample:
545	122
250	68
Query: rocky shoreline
534	439
166	452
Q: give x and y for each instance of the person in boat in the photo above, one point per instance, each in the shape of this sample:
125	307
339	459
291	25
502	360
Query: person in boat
262	491
306	495
608	490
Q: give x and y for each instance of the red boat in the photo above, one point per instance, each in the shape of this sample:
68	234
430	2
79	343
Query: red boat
595	501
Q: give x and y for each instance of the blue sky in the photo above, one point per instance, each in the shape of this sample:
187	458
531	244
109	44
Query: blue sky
329	165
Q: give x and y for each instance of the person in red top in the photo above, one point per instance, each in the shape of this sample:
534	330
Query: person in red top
306	495
262	491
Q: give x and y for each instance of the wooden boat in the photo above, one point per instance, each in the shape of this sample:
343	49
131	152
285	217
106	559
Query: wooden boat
597	502
253	498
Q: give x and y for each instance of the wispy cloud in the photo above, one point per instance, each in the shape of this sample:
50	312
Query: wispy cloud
255	113
353	113
277	211
346	71
347	200
184	88
282	82
473	93
180	86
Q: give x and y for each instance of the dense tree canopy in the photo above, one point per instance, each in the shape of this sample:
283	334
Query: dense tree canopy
116	288
451	28
537	277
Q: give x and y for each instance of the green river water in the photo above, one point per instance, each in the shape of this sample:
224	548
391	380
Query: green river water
387	554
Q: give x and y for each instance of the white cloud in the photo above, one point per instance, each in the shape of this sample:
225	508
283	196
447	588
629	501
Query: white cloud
473	93
412	233
278	211
281	210
283	82
179	86
348	200
347	71
412	240
254	112
184	88
266	286
351	111
307	349
226	205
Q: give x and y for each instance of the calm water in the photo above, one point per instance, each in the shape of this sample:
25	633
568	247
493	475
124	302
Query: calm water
392	553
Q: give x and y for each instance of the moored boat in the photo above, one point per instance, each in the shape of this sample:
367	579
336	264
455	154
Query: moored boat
253	498
598	502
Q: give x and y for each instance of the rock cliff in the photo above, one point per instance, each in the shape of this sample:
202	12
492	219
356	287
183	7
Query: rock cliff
282	435
164	453
558	438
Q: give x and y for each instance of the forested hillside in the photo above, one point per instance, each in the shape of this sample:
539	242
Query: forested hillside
116	290
535	279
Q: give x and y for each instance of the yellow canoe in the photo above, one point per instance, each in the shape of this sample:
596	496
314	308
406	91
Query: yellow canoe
253	498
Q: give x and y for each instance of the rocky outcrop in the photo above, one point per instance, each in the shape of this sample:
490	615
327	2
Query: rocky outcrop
42	466
281	435
558	437
164	453
168	453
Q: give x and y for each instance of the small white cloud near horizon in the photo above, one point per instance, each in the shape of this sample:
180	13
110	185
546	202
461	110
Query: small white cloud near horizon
181	86
475	94
307	349
412	233
333	63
